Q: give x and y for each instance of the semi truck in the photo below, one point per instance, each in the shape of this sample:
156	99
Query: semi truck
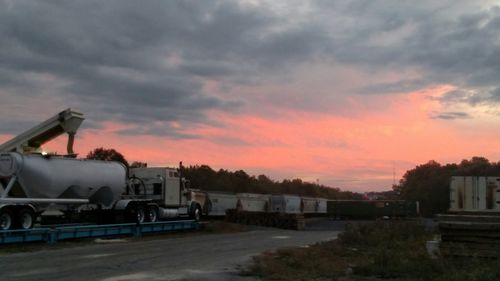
32	182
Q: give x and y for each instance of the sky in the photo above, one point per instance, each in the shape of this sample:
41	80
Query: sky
349	94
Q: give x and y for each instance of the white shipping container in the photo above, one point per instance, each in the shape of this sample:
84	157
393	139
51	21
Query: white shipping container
219	202
289	204
309	205
475	194
322	205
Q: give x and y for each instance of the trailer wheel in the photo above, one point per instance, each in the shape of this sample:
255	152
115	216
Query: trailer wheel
26	218
152	214
6	219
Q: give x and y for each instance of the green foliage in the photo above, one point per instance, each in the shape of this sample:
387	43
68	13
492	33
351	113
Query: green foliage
107	155
206	178
391	250
429	183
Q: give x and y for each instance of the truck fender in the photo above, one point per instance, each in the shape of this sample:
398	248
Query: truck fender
14	207
193	207
121	205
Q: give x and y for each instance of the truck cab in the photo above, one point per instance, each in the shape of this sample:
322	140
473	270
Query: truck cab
166	189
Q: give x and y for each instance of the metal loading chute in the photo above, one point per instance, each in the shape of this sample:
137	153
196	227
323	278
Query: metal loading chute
67	121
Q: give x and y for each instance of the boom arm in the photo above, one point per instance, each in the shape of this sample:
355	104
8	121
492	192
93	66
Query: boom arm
67	121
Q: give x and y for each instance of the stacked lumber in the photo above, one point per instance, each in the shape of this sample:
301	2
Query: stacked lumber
470	234
278	220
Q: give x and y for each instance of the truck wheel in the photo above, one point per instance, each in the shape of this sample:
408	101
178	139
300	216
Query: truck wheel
140	214
26	218
6	219
196	214
152	214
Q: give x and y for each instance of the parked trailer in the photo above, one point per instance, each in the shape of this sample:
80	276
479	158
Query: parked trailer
35	176
251	202
322	202
309	205
31	183
475	194
371	209
220	202
283	203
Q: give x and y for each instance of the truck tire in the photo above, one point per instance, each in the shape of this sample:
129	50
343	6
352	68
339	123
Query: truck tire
140	214
6	219
152	214
196	213
26	218
136	214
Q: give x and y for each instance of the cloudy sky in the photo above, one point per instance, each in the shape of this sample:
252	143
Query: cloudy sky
336	91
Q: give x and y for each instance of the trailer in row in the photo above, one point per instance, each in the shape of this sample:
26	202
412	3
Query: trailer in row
218	202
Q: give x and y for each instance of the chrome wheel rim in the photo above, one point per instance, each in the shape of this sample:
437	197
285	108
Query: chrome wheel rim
152	215
140	215
197	215
27	221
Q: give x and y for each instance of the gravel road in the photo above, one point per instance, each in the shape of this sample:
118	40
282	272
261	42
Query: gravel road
200	257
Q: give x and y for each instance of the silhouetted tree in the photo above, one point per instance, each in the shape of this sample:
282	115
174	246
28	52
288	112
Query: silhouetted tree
206	178
107	155
138	164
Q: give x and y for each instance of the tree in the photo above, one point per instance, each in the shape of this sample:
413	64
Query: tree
138	164
107	155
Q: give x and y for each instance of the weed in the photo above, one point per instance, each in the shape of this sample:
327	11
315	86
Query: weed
392	250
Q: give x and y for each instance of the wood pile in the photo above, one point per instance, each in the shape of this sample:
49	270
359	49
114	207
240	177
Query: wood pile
470	234
278	220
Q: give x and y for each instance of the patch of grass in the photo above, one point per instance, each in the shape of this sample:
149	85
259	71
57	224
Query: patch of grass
392	250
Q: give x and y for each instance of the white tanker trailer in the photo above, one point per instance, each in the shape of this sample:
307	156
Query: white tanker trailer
32	183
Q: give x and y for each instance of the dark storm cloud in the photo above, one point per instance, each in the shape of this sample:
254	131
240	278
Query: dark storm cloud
402	86
450	115
143	62
448	42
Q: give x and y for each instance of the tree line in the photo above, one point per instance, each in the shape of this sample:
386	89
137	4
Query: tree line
206	178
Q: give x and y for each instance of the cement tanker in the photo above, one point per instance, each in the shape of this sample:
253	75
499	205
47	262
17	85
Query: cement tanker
37	176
